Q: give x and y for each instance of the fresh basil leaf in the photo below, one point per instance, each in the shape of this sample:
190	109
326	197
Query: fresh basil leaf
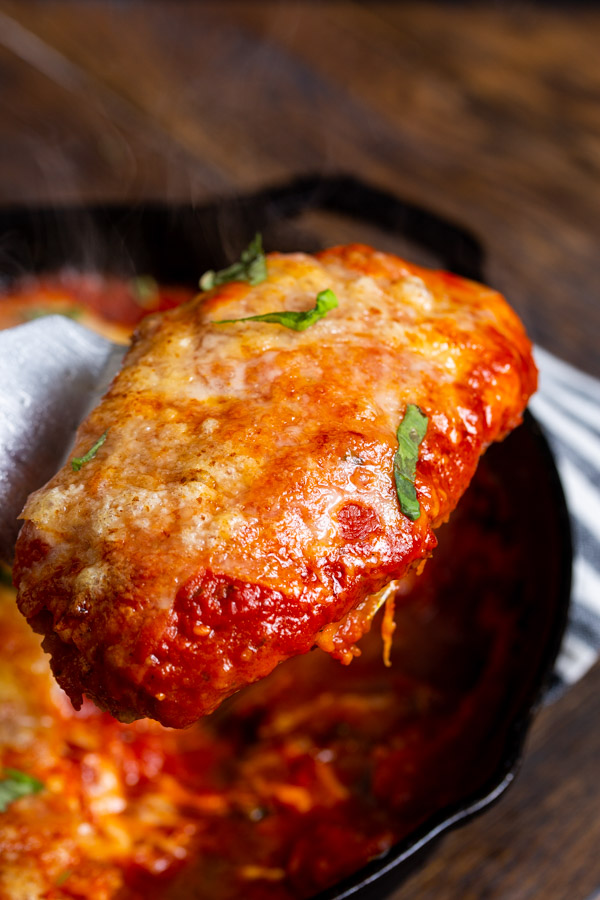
297	321
15	784
251	267
78	461
410	433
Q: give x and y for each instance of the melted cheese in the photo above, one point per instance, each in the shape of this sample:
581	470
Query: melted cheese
214	517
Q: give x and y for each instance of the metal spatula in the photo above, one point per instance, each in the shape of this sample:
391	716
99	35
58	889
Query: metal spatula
52	372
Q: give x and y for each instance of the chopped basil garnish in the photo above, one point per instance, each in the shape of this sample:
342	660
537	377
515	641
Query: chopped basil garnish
411	432
297	321
251	267
353	458
145	291
15	784
78	461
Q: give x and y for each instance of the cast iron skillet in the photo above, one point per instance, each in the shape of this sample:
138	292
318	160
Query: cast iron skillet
176	243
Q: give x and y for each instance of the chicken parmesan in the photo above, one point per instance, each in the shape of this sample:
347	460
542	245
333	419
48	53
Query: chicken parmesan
242	490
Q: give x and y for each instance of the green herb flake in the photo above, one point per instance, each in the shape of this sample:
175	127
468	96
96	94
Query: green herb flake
353	458
14	785
411	432
5	576
145	291
251	267
78	461
40	312
64	876
297	321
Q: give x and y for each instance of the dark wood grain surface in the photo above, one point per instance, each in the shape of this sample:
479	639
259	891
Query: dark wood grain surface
486	113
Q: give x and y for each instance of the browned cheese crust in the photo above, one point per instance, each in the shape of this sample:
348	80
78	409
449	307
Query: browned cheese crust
244	498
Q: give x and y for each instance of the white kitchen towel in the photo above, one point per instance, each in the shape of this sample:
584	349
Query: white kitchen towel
567	406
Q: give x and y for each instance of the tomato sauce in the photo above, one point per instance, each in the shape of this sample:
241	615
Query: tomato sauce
298	780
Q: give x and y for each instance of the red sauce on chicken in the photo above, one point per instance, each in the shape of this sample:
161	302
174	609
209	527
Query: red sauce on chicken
293	783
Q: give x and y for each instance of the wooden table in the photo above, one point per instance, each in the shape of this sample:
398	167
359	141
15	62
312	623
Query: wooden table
489	114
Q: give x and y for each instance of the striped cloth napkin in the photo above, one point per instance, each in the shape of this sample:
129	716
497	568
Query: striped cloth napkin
567	406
